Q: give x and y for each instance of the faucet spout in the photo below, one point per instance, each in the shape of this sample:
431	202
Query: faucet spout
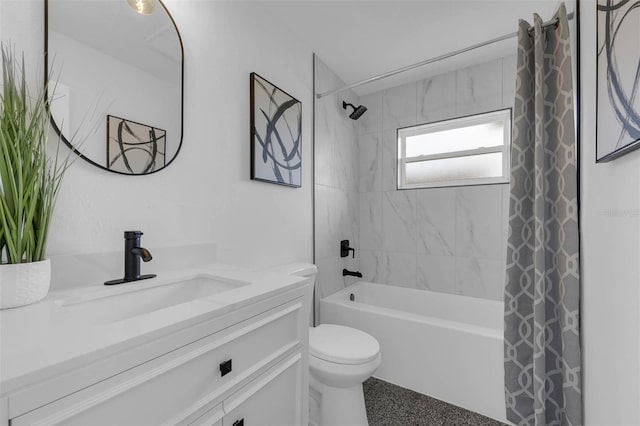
144	254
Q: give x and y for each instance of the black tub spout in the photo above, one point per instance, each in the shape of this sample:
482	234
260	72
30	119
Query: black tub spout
346	272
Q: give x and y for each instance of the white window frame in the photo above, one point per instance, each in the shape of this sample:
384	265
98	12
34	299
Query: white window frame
455	123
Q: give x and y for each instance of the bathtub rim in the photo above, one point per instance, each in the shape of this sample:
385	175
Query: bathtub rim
335	298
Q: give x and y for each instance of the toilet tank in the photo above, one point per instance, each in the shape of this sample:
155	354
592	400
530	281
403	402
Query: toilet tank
299	269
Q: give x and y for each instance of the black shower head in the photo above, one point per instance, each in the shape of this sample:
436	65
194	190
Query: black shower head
357	111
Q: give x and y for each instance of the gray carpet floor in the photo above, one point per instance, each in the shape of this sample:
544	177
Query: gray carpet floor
391	405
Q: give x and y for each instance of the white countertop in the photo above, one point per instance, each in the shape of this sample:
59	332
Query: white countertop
44	339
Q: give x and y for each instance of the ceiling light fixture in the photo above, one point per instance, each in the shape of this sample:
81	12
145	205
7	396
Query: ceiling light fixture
143	7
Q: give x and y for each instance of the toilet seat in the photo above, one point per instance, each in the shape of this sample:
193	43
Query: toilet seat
342	345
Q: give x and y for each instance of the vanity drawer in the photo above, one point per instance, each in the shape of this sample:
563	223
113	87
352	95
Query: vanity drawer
178	387
213	417
270	400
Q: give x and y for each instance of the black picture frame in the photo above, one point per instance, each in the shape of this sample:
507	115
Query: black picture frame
275	134
617	85
134	148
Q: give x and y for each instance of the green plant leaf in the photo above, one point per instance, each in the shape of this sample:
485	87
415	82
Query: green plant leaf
29	181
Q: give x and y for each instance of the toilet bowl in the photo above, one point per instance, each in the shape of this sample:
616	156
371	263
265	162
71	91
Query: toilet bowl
340	359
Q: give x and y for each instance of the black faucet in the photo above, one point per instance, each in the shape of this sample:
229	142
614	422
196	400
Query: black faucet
346	272
132	255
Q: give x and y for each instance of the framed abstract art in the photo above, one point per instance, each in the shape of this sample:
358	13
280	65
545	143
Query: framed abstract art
276	134
618	78
134	148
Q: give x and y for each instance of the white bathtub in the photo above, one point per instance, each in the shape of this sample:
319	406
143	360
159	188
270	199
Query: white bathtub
445	346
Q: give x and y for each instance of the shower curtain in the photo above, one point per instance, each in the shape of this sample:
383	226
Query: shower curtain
542	292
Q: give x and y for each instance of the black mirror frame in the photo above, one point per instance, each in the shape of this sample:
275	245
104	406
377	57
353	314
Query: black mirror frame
59	132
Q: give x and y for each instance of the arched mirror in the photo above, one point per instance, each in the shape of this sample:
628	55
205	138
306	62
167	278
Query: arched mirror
117	75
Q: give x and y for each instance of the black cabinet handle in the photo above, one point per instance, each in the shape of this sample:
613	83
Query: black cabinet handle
239	422
225	368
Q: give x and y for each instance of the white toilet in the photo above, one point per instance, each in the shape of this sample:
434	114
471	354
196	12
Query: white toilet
340	359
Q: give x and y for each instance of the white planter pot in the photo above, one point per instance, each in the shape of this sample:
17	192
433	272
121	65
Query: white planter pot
24	283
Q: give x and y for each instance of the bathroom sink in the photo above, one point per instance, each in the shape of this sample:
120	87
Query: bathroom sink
142	297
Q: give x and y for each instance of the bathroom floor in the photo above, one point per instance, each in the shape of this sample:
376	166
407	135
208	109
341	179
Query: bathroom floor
391	405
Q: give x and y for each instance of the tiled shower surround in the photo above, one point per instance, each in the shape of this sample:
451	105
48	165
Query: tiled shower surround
450	239
336	182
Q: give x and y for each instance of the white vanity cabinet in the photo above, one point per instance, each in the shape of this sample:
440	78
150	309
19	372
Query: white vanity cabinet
261	403
247	367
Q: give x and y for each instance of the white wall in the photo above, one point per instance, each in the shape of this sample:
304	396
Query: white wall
206	195
610	230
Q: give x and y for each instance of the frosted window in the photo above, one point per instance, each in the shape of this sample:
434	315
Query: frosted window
456	168
460	139
471	150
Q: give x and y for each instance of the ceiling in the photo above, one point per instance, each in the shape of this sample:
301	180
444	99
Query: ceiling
147	42
359	39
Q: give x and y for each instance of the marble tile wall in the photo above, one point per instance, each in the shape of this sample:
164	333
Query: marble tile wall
337	182
450	240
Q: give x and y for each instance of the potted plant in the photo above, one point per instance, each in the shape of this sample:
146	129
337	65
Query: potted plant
29	183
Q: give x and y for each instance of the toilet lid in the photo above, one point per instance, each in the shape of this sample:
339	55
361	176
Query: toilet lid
342	345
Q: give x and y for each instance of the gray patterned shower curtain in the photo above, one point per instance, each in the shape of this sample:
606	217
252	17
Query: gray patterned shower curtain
542	293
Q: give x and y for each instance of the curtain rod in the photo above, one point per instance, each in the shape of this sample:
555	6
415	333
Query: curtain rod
432	60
